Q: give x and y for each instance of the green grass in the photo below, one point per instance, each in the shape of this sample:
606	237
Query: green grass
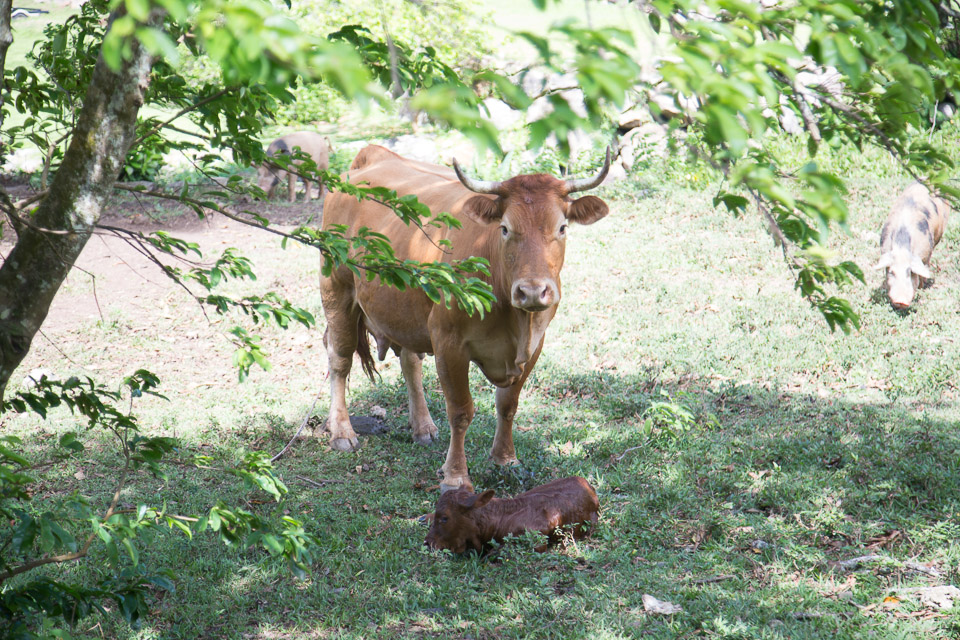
812	443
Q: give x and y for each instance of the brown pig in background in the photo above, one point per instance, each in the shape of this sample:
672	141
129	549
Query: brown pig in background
912	230
467	520
313	144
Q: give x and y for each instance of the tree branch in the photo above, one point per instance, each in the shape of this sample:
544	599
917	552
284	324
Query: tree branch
183	111
76	555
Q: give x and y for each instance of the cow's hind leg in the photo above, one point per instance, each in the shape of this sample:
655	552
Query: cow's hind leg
340	339
424	430
503	451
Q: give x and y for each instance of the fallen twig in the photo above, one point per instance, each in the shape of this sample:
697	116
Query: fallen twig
921	568
306	418
813	615
318	484
712	580
854	563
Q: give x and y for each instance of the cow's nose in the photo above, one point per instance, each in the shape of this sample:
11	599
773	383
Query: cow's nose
534	295
900	305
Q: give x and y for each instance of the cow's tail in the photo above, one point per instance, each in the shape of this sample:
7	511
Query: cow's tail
367	362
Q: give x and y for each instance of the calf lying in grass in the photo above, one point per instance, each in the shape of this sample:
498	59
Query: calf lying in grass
466	520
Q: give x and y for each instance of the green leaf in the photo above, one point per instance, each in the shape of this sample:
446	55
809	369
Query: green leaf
69	441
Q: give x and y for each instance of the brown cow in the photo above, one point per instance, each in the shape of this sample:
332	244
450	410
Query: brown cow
519	226
313	144
465	520
913	228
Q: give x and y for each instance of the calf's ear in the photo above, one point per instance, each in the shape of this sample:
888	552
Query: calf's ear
587	210
483	210
476	501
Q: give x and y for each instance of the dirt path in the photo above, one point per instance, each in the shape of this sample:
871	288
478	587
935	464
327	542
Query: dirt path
117	311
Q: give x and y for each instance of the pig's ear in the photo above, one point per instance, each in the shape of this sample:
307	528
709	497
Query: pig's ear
476	501
885	261
917	267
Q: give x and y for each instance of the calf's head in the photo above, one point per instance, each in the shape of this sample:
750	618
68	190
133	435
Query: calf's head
904	270
455	524
532	213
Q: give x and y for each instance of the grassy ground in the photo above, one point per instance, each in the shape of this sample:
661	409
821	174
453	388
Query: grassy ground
739	449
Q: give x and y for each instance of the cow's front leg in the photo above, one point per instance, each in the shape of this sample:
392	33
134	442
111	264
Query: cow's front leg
503	451
454	372
424	430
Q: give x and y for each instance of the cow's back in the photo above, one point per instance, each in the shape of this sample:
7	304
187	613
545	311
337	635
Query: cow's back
436	187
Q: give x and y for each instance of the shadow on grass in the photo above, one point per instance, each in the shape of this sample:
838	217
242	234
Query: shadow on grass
735	513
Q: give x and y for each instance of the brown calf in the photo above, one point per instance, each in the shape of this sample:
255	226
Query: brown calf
466	520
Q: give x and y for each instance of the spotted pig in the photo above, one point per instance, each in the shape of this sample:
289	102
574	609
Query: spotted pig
912	230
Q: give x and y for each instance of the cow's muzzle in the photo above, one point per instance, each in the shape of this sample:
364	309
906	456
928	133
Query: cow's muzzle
534	295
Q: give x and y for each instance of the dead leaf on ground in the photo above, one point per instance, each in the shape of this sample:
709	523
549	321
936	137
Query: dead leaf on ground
659	607
884	539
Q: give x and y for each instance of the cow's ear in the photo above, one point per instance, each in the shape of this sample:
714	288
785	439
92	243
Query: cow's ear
587	210
483	210
476	501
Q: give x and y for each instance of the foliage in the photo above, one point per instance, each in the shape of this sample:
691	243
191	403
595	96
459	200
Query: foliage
452	28
312	102
69	528
735	59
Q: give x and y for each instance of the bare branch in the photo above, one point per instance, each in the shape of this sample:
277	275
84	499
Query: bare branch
183	111
82	552
809	121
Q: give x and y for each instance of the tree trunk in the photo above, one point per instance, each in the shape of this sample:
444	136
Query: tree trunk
53	237
6	39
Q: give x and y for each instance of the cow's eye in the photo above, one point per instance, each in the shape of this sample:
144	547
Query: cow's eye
504	231
563	229
443	519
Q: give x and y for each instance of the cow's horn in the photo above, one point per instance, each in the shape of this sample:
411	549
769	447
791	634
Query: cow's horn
584	184
478	186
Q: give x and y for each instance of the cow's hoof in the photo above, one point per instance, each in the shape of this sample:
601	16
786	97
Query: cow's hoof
425	439
514	469
462	483
512	461
344	444
426	434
